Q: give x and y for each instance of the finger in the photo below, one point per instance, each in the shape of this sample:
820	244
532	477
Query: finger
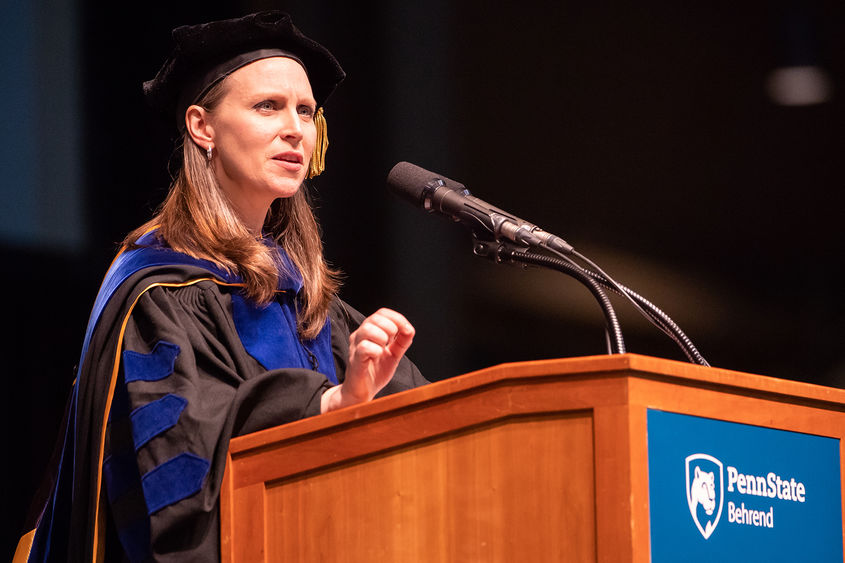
383	322
401	343
389	321
372	332
366	351
398	319
405	331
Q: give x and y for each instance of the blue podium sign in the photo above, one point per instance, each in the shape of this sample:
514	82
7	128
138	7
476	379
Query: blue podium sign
722	491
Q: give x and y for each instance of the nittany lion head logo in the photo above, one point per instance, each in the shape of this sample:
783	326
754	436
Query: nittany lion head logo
705	491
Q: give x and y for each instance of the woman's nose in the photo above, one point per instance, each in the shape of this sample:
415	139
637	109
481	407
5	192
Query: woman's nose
291	125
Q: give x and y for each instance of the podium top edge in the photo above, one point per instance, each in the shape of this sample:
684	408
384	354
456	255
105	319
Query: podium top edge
615	367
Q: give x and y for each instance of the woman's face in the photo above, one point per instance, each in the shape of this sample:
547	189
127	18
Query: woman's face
263	134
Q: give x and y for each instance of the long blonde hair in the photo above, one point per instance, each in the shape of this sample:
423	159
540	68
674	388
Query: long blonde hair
197	219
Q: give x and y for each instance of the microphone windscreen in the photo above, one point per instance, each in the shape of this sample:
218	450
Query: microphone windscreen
409	181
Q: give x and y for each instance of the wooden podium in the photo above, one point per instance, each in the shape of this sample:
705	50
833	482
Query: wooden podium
535	461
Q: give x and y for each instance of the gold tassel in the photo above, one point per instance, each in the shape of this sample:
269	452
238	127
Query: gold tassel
318	159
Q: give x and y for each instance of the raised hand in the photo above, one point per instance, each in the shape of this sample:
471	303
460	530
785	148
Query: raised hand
375	349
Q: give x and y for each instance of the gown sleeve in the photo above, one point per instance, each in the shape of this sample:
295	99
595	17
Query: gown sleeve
185	386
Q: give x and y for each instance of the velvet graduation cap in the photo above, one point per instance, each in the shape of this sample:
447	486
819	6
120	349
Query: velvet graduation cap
205	54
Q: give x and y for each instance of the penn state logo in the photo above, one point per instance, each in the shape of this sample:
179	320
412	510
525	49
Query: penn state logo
705	491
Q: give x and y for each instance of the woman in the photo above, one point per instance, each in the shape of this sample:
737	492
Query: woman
220	316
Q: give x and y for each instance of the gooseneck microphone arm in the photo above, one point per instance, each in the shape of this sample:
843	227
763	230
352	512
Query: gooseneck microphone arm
503	237
653	313
506	251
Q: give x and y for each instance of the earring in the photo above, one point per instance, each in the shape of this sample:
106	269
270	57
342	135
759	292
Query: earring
208	153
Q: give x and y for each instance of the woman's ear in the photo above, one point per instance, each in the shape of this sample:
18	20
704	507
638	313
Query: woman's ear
198	125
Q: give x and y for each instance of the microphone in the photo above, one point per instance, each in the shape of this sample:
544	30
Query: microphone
437	193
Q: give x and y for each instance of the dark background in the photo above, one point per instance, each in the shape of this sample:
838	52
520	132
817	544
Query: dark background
640	132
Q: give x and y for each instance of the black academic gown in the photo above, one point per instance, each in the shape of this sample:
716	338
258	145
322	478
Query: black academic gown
175	363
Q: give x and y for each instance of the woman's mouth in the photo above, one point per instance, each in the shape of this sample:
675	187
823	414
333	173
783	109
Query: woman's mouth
290	160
